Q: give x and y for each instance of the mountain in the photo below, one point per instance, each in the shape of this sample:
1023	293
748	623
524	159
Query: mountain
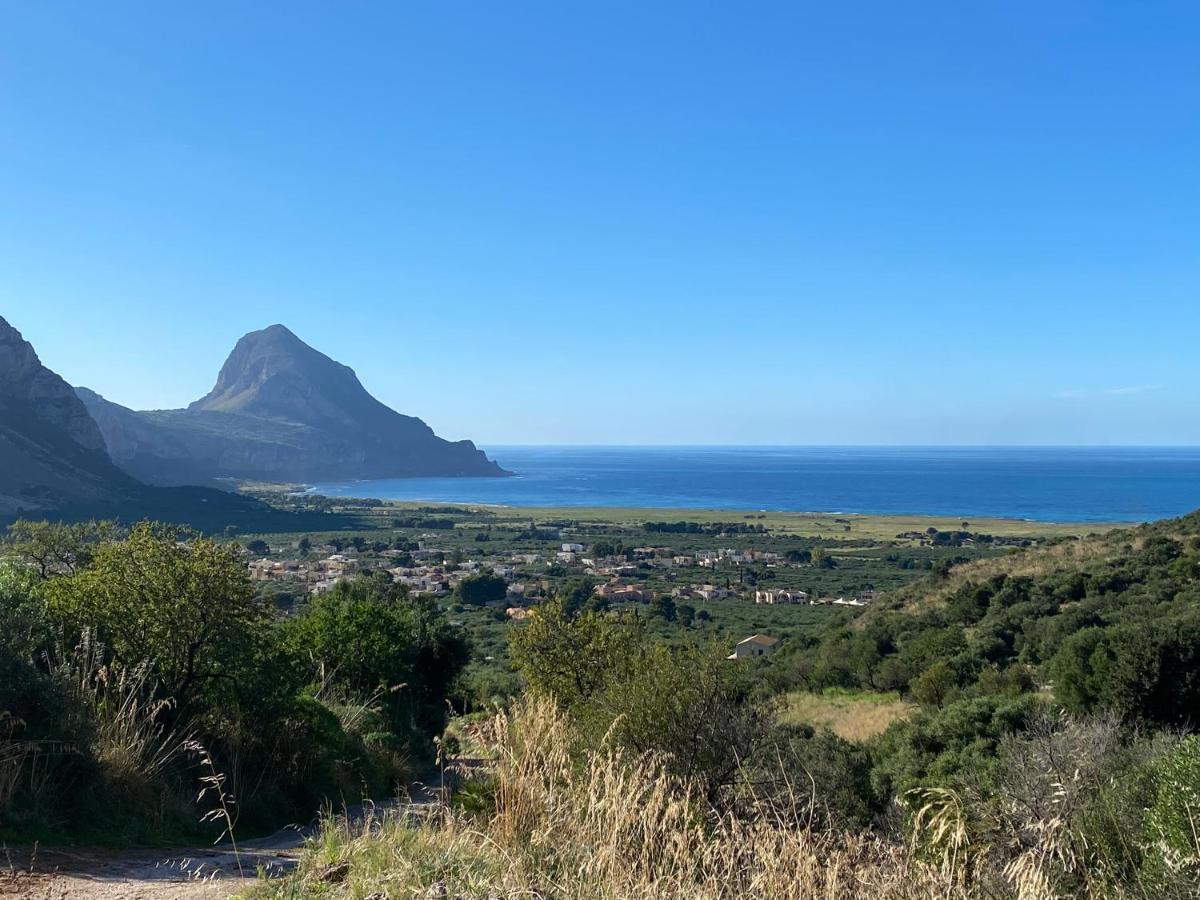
51	452
53	460
280	411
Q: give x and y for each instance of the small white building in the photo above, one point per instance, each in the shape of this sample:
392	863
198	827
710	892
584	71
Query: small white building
773	598
754	646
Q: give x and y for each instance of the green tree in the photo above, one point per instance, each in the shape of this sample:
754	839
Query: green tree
482	589
56	548
374	638
171	597
572	657
935	685
663	606
578	594
687	703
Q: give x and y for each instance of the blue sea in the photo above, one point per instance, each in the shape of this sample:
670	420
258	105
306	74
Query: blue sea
1054	484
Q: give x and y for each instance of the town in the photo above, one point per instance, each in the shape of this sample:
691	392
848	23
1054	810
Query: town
760	579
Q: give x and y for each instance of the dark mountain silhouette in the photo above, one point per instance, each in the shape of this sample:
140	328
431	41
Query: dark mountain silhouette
280	411
53	461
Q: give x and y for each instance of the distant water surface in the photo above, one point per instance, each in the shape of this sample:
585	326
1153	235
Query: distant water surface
1056	484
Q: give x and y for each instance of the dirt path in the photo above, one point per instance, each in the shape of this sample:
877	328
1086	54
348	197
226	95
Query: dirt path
195	873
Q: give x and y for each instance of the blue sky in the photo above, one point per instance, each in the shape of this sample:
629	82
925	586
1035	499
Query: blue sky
624	222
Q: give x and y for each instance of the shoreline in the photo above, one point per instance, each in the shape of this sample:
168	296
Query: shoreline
807	523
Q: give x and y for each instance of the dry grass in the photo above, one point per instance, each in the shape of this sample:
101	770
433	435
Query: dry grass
607	826
854	716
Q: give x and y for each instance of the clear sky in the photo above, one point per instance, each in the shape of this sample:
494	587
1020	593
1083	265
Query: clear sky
624	222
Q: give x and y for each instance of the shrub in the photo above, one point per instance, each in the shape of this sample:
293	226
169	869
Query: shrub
374	639
1172	826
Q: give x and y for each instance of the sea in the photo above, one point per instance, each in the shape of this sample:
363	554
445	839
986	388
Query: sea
1051	484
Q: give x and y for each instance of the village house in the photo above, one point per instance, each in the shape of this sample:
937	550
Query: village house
572	548
773	598
617	592
754	646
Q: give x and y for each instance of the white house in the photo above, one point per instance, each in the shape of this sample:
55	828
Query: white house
754	646
771	598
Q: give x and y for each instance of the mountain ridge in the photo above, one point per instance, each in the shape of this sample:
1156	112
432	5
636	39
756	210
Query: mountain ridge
54	461
280	410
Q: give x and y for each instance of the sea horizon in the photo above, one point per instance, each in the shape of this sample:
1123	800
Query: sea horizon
1049	483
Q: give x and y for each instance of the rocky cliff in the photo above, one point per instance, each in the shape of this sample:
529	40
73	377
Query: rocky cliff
52	454
53	461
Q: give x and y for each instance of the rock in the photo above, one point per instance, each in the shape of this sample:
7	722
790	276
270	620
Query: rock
335	873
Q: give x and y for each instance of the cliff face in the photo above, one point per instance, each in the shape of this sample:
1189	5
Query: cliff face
52	403
280	411
52	454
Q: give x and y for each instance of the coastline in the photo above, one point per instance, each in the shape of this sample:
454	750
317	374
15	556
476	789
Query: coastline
800	524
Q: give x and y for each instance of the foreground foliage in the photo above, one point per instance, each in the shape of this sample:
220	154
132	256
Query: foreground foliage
603	822
137	667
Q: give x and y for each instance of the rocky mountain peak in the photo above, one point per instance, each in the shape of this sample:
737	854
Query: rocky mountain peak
28	386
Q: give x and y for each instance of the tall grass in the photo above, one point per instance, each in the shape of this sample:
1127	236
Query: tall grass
128	736
603	825
549	820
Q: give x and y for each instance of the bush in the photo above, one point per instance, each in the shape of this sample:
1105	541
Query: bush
482	589
1172	826
571	658
687	705
374	640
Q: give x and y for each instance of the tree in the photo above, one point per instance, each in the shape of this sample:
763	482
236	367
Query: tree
482	589
57	548
572	657
663	606
170	597
304	546
578	594
258	547
371	638
935	685
1145	670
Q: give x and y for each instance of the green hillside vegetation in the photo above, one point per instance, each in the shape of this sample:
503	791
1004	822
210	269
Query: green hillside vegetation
1005	719
1033	745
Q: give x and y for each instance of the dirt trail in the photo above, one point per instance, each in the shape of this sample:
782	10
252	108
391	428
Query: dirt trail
194	873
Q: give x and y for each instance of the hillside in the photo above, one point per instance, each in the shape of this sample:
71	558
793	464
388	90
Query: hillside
280	411
51	452
1104	623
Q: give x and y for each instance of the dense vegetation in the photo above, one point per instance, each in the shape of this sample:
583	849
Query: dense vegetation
1032	706
1047	755
128	659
